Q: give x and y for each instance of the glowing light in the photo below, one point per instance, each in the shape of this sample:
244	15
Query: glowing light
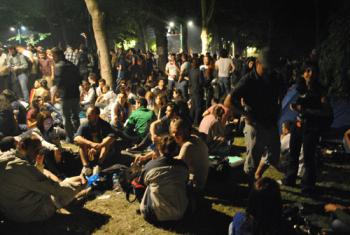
23	28
251	51
13	29
171	24
190	23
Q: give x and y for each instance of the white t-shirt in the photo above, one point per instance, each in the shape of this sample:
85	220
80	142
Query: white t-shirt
224	66
172	70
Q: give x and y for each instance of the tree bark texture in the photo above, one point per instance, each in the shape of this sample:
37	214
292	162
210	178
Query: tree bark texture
101	40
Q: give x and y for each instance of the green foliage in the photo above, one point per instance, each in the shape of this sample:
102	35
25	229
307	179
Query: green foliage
33	39
335	56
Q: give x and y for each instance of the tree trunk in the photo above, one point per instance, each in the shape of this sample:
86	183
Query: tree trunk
101	40
207	14
142	35
162	45
185	38
205	41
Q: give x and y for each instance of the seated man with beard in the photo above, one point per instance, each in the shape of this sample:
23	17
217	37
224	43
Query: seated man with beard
95	138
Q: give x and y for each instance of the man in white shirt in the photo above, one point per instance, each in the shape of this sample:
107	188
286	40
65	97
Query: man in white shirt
87	95
172	71
224	67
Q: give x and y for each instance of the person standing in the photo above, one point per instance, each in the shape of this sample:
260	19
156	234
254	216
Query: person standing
197	95
224	67
172	71
182	83
46	66
4	71
207	70
68	79
19	68
313	112
256	97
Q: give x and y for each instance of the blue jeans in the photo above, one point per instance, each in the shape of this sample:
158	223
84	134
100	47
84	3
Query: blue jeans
70	110
225	86
183	87
23	82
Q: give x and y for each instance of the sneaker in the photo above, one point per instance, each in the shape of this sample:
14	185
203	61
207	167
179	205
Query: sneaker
96	170
87	171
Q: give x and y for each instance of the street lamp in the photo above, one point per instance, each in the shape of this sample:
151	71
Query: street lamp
19	30
190	23
171	24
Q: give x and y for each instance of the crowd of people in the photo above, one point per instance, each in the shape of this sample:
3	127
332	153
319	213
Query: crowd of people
179	116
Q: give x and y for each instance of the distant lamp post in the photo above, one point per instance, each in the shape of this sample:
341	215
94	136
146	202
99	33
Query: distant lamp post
20	30
172	25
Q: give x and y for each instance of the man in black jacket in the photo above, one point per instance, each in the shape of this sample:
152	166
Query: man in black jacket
256	97
67	79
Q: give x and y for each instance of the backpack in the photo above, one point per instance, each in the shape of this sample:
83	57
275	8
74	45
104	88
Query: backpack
126	179
219	168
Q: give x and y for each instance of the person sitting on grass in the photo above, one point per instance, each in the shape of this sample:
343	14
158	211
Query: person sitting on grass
264	211
213	131
137	125
28	194
193	151
165	198
95	139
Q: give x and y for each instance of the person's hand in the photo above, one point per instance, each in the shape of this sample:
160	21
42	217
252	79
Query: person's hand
94	145
155	138
91	154
332	207
82	179
141	158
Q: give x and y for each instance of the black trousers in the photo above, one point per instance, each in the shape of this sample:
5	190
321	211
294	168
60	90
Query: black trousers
308	138
196	109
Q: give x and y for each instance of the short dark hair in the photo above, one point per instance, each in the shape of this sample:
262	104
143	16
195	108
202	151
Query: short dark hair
95	109
168	146
265	206
182	126
102	81
223	53
30	142
58	52
141	91
142	101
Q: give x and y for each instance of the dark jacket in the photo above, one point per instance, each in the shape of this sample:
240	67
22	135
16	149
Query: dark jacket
68	79
261	97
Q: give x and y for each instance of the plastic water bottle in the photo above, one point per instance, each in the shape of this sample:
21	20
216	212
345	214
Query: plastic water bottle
115	180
